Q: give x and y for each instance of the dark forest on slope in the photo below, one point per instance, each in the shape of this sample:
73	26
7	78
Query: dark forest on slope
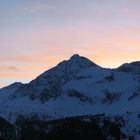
98	127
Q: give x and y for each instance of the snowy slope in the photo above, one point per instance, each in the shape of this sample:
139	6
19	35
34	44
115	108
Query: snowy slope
76	87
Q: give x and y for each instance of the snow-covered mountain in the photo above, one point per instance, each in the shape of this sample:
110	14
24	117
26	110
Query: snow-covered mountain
77	87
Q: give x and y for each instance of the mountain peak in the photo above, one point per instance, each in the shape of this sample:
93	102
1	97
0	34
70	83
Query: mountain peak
133	67
75	56
77	61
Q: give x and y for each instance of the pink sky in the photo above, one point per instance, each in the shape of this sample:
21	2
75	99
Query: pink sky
35	36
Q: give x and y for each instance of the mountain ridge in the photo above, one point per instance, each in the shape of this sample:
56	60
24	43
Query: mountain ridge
77	56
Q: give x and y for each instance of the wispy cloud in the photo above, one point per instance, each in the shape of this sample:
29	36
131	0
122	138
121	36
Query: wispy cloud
37	7
9	68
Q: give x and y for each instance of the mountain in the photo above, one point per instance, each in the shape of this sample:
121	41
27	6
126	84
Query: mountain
51	81
77	87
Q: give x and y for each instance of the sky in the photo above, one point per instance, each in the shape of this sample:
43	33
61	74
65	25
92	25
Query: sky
35	35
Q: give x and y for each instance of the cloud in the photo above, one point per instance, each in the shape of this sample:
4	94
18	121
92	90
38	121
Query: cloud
12	68
9	68
37	7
